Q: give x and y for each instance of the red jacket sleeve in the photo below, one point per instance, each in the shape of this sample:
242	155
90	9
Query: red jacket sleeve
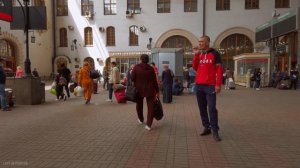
195	62
219	74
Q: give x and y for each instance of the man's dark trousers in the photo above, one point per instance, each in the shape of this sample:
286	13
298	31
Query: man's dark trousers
206	96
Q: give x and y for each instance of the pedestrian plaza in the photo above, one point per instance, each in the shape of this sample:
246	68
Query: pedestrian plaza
259	129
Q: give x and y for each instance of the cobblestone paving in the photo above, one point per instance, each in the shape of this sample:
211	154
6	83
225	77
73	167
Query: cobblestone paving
258	128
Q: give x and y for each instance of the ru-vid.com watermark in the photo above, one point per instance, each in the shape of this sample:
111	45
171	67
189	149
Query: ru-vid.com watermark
15	163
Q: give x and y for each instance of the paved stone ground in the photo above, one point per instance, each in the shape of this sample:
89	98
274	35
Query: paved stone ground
259	129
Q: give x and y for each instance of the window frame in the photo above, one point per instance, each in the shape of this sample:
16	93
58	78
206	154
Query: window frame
251	4
110	36
222	5
110	5
134	6
282	4
63	37
133	35
87	6
190	6
64	5
165	8
88	36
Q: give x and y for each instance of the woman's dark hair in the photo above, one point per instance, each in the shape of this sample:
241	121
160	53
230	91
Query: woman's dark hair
144	58
152	63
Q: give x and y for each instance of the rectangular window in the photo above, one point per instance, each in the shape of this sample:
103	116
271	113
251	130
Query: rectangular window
110	7
62	8
134	6
251	4
163	6
282	3
190	5
222	4
87	8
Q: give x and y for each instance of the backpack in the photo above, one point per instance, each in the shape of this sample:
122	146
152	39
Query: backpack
62	81
94	74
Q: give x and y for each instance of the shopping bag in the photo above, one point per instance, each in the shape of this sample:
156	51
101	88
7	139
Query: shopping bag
78	91
131	93
72	87
120	96
158	109
53	91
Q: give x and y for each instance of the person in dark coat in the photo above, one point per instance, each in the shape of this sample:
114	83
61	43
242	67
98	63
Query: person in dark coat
144	79
167	81
2	90
294	78
66	73
177	87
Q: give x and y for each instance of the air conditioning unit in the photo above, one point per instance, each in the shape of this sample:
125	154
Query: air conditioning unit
88	14
101	29
143	29
129	13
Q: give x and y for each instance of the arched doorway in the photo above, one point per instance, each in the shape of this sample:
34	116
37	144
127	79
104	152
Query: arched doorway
233	45
91	62
178	41
59	61
7	56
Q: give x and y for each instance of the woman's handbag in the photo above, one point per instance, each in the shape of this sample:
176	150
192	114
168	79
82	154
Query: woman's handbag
158	109
131	93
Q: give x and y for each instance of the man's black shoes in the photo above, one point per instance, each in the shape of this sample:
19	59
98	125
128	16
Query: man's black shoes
216	136
206	131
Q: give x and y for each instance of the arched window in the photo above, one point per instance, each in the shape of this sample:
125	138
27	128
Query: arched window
110	36
232	45
7	55
180	42
177	42
88	36
133	35
63	37
62	8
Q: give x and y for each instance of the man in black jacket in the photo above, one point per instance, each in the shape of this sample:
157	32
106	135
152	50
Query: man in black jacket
66	73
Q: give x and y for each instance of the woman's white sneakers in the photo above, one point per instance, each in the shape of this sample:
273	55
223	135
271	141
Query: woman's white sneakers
147	128
140	122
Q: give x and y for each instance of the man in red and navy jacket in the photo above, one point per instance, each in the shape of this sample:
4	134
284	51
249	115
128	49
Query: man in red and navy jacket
208	66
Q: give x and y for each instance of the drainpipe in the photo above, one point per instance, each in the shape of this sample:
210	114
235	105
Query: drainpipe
204	11
54	35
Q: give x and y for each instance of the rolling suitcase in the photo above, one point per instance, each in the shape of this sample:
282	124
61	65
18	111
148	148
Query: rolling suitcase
120	95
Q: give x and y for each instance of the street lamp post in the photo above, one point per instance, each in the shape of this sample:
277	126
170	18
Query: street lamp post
27	62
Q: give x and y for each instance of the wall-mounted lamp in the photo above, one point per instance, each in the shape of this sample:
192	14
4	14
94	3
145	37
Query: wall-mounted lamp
101	29
33	38
73	45
149	45
71	28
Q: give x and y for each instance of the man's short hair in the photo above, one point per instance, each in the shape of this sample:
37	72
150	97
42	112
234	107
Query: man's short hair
113	63
144	58
206	37
152	63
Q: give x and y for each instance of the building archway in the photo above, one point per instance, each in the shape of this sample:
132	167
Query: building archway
59	61
178	41
10	51
232	42
173	32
